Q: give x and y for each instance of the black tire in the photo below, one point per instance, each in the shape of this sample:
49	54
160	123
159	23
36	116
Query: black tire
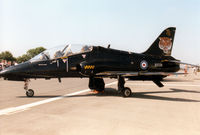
126	92
30	93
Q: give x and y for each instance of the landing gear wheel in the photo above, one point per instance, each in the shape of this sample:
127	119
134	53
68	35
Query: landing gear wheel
126	92
29	93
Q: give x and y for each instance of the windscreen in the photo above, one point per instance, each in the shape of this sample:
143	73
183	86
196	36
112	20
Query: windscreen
62	51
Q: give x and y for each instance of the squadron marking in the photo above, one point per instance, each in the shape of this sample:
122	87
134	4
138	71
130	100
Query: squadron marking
89	67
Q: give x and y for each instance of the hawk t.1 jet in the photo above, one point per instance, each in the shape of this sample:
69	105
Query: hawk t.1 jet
96	63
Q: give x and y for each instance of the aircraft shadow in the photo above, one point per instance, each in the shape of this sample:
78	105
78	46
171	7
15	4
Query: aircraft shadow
45	96
145	95
176	80
141	95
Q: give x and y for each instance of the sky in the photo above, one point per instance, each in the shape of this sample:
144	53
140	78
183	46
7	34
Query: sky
130	25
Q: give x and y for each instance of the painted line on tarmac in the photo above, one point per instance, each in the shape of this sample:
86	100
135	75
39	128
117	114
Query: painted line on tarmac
12	110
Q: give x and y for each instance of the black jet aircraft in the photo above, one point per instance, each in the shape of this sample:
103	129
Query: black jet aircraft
96	63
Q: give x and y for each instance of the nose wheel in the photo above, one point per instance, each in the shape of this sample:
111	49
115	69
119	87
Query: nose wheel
29	92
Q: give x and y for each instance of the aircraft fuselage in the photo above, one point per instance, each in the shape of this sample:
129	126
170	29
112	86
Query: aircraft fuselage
90	63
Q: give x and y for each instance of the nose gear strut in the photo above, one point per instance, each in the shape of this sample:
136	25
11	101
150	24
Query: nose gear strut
29	92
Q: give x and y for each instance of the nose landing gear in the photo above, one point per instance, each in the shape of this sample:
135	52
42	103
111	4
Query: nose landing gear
29	92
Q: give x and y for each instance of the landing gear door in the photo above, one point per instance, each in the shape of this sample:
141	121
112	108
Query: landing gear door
66	64
69	64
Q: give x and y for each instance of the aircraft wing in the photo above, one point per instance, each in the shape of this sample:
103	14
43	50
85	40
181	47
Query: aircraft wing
128	74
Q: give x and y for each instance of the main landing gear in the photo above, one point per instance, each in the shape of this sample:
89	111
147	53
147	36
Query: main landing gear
99	85
126	91
29	92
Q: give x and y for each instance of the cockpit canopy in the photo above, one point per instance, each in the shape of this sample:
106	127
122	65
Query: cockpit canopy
62	51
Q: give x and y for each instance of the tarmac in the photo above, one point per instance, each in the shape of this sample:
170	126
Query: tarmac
69	108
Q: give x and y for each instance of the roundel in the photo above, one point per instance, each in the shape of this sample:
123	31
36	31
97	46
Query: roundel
143	64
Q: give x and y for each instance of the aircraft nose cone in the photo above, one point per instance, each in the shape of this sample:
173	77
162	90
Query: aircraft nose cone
9	74
3	73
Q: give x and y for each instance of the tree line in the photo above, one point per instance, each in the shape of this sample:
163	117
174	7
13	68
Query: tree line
8	56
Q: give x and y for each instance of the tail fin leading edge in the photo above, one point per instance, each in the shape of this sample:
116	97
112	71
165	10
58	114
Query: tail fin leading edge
162	46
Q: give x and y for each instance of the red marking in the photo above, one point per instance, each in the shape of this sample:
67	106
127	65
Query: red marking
144	65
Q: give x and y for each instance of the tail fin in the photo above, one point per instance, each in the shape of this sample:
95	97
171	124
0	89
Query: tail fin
162	46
